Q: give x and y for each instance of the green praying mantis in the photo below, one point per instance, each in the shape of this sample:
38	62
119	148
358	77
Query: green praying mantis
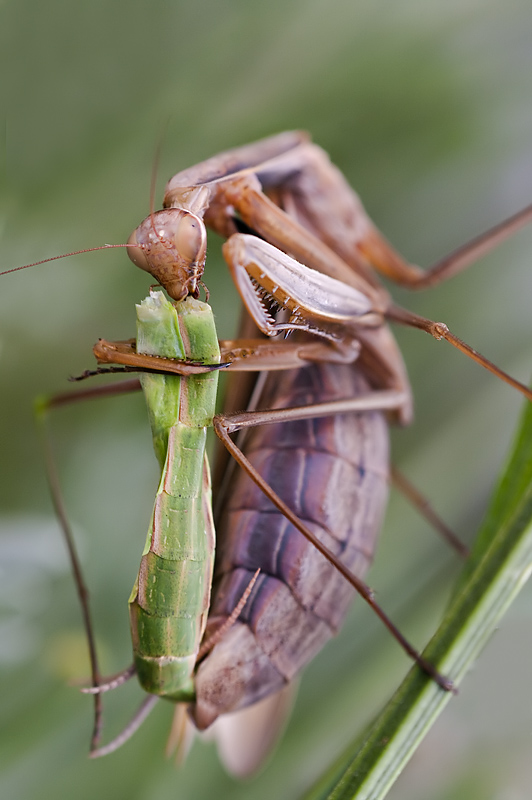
297	526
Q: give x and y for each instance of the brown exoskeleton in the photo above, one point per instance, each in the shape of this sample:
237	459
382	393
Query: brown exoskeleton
303	255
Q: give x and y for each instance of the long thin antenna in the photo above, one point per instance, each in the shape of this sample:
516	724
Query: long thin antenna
65	255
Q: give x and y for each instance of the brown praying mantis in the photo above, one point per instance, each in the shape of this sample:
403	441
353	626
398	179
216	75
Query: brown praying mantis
303	255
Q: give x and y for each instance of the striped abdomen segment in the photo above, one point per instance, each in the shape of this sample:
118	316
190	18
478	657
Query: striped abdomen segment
333	473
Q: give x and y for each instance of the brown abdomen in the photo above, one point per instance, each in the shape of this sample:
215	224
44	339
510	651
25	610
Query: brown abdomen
333	473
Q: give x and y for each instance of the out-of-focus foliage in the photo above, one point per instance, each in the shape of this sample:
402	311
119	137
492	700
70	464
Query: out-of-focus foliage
426	107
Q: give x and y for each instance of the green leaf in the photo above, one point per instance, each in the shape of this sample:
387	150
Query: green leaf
497	569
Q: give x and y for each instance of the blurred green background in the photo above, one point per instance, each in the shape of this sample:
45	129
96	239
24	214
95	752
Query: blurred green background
427	108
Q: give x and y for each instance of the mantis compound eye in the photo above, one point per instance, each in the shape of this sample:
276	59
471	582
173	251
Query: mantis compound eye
190	238
171	245
136	253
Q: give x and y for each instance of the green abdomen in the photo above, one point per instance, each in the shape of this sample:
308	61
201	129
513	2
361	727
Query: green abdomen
170	600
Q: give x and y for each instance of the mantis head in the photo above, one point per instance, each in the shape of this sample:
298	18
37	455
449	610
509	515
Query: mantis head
171	245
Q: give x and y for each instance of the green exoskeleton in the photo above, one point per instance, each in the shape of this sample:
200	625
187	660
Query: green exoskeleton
170	600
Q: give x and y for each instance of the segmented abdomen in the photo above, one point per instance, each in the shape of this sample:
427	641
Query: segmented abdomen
333	473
